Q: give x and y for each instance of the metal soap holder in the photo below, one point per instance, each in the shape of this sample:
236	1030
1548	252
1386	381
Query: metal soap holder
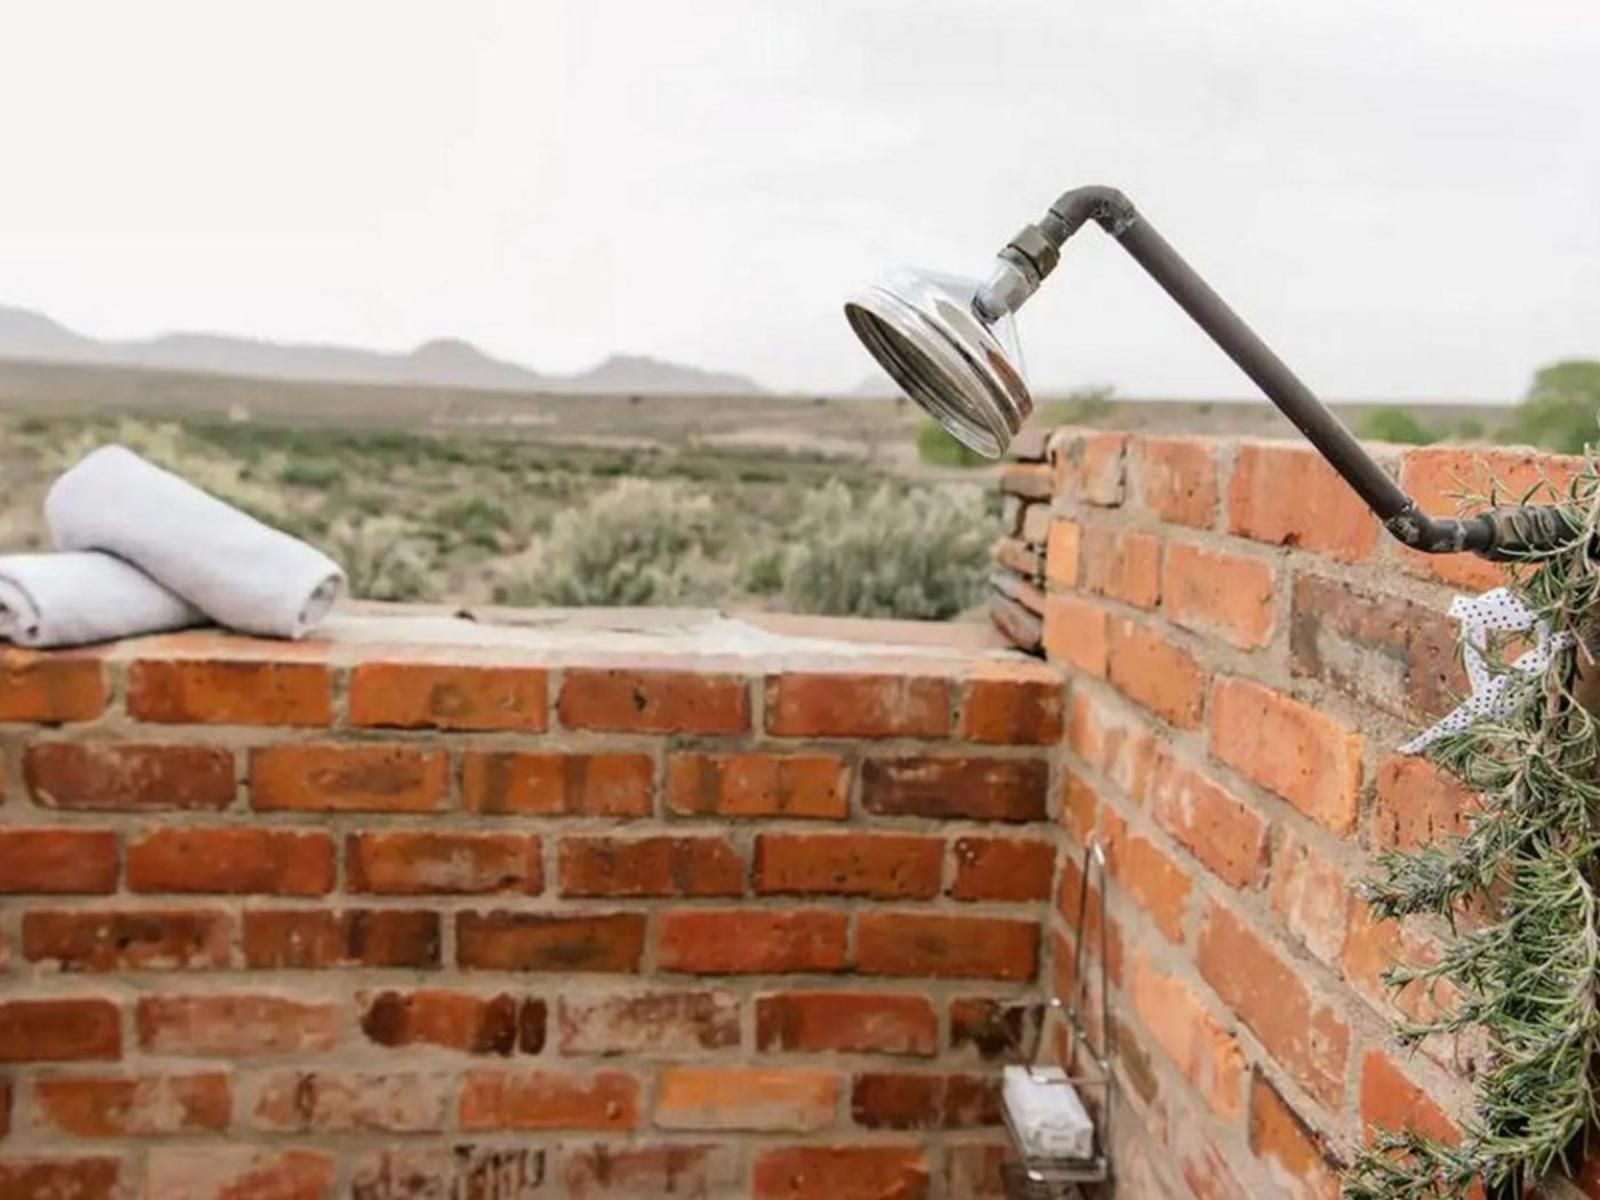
1088	1070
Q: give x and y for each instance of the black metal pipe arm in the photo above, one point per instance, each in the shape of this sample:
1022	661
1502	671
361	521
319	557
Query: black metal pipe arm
1501	534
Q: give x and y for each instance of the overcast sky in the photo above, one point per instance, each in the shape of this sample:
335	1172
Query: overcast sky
1404	198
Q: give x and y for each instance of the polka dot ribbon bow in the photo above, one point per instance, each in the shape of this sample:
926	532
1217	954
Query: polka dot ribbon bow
1494	694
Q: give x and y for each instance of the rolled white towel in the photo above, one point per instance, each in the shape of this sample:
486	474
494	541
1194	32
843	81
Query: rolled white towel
239	572
72	599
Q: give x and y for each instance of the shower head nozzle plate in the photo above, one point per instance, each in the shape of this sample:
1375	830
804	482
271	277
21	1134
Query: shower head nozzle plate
966	372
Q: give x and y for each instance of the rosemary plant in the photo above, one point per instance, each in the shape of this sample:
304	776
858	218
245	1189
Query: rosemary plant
1524	977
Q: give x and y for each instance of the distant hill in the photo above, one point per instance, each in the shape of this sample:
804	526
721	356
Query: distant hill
444	362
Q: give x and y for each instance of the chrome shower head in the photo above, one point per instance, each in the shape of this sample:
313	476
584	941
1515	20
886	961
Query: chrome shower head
936	337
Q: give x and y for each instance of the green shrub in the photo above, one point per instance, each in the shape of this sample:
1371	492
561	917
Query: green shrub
1395	425
920	553
640	541
475	521
385	559
938	448
310	474
1562	409
1468	429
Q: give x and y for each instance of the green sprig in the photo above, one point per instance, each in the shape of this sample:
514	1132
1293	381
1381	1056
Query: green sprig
1526	979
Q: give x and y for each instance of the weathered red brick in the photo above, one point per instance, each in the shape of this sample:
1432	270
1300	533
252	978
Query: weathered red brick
1381	650
422	695
1089	465
1115	740
1029	480
758	785
235	1025
1295	1153
654	701
59	1030
1231	596
902	943
913	1100
1391	1100
533	1100
840	1173
1013	704
1309	894
1015	608
751	941
947	787
883	866
974	1169
415	1169
1418	805
98	1106
1208	1174
230	691
1291	749
417	862
367	937
1033	526
496	783
991	868
1077	633
1289	496
58	861
52	687
1178	479
1147	873
234	859
1198	1044
238	1172
344	778
847	1022
124	940
1154	672
667	1169
129	778
996	1029
1435	476
511	941
840	704
1122	564
1027	561
1308	1037
760	1099
1222	831
473	1024
648	1022
343	1101
61	1177
1080	808
657	866
1063	551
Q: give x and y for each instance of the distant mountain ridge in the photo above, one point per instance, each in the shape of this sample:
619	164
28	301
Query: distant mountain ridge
443	362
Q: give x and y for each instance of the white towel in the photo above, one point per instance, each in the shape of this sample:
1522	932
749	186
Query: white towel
239	572
73	599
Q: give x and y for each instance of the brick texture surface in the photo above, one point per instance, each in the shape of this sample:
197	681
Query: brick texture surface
1243	648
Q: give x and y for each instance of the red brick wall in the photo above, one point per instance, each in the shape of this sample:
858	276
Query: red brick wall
327	920
1244	647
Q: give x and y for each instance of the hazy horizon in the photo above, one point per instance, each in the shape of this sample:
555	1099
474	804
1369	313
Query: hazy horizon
1404	201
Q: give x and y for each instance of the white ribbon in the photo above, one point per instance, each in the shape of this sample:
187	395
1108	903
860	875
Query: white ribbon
1493	695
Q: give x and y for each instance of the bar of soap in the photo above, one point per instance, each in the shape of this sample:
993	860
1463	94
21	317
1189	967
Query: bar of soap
1046	1113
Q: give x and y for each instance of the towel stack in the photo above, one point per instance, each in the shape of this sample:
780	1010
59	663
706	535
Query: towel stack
142	551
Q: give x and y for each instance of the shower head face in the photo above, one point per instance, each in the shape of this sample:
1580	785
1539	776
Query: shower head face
965	371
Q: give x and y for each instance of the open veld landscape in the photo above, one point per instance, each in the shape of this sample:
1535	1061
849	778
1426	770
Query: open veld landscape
825	504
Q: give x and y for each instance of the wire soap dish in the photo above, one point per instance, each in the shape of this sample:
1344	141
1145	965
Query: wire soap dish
1087	1071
